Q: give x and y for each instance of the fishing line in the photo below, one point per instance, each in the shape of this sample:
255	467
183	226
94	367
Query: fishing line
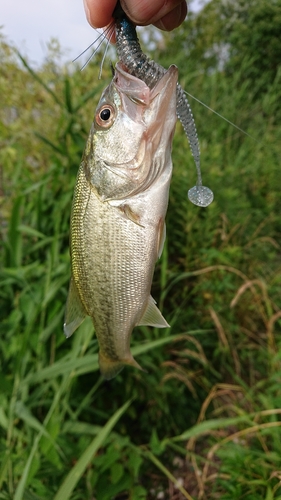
100	39
218	114
101	35
105	52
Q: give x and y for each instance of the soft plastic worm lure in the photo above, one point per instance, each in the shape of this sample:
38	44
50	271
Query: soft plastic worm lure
139	65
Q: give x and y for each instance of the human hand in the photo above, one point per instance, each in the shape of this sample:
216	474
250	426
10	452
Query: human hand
164	14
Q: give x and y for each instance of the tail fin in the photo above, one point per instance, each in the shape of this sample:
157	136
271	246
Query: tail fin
109	368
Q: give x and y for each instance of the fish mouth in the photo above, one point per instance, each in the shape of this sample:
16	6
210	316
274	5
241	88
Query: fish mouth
156	108
135	89
151	108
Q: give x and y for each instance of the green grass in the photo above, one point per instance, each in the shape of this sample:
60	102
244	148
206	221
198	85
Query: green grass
204	420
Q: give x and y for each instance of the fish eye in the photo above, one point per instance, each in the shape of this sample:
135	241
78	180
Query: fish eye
105	116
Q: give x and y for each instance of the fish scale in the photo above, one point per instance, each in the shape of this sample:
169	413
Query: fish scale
121	282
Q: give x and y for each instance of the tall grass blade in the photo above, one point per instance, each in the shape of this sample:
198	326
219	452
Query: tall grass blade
68	95
88	96
19	493
38	79
58	149
4	467
79	468
24	414
14	256
210	425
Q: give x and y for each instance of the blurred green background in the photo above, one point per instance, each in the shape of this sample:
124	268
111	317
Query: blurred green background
204	420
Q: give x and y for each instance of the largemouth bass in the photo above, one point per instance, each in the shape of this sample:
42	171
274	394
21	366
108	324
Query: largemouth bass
118	214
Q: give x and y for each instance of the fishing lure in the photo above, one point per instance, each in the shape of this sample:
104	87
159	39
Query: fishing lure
138	64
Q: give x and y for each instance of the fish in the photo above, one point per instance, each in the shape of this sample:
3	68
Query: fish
117	228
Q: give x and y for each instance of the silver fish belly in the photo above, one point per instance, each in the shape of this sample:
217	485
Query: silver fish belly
118	214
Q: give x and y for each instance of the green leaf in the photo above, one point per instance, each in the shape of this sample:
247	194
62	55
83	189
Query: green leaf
139	493
20	489
155	444
116	472
65	366
269	494
3	418
135	460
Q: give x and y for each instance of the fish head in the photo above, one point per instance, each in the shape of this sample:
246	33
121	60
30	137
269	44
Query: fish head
131	135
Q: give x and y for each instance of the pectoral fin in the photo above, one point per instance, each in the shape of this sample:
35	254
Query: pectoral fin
130	214
75	312
152	316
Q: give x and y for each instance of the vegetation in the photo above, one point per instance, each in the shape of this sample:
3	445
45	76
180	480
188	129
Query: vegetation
204	421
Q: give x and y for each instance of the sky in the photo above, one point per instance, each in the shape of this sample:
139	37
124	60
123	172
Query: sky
30	24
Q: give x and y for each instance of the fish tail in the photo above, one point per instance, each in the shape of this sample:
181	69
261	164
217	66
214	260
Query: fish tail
109	368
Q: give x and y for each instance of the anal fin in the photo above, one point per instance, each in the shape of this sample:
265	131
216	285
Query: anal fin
152	316
74	312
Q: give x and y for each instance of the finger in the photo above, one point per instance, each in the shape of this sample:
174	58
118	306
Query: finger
99	14
145	12
173	19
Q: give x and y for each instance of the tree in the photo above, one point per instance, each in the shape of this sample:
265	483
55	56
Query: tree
239	37
253	31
